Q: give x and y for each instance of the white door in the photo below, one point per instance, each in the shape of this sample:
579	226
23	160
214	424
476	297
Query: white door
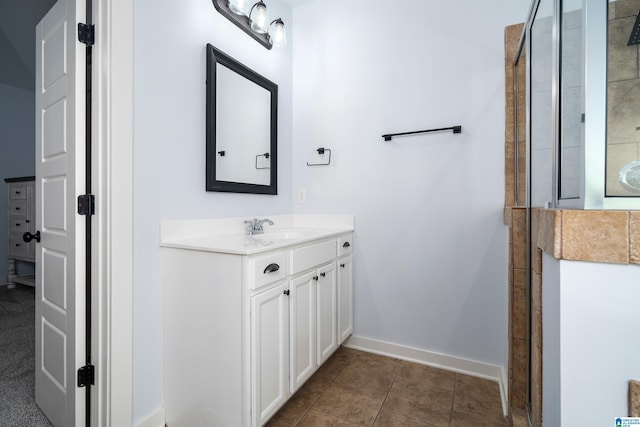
345	299
60	70
326	312
302	329
269	352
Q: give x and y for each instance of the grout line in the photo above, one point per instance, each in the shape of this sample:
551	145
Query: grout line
455	383
387	395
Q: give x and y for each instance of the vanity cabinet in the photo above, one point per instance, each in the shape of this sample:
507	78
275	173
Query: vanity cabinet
243	332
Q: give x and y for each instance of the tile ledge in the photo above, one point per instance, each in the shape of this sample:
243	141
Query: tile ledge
594	221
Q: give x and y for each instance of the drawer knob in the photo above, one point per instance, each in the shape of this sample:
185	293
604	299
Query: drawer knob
271	268
346	245
27	237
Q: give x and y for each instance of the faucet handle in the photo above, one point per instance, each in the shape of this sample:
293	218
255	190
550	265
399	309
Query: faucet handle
249	227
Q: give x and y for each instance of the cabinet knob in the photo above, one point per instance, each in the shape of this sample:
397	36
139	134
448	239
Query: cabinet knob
323	274
286	292
346	245
27	221
342	265
271	268
315	277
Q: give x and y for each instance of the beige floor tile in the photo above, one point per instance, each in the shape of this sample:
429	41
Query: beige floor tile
356	403
419	396
477	397
296	408
462	419
318	419
432	406
371	370
416	379
387	418
323	377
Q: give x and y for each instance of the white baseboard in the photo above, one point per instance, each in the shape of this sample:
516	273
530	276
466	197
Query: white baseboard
156	419
450	363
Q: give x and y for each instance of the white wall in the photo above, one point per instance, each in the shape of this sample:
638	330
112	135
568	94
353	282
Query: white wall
169	151
599	349
17	150
431	248
551	369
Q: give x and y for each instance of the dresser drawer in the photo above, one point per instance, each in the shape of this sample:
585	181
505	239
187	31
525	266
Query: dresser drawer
311	256
266	269
18	192
18	224
17	247
18	208
345	245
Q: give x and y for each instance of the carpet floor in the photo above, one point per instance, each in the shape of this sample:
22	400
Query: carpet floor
17	359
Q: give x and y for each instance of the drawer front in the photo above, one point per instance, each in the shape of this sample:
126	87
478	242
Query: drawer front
18	192
345	245
17	247
310	256
267	269
18	224
18	208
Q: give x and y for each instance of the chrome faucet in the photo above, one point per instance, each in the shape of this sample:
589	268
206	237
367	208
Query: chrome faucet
255	226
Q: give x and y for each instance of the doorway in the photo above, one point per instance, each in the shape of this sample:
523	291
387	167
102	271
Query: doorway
18	20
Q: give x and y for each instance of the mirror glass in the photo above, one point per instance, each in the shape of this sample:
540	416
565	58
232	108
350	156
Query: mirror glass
241	127
623	99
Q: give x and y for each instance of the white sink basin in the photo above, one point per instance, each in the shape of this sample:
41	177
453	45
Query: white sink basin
281	235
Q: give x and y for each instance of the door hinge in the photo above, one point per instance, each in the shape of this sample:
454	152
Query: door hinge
86	376
86	34
86	204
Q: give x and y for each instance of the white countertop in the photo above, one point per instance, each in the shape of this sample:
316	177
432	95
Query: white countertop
227	235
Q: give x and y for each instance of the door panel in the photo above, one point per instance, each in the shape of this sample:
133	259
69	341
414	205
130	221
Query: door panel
326	312
269	352
345	299
59	180
302	329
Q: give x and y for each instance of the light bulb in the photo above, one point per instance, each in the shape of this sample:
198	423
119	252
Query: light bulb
277	33
239	7
259	18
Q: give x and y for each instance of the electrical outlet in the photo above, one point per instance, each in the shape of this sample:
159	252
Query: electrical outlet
302	195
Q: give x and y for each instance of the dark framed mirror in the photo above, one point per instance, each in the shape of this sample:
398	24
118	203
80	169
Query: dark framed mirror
242	127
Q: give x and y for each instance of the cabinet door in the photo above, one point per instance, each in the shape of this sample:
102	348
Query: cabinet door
327	329
269	352
345	298
302	329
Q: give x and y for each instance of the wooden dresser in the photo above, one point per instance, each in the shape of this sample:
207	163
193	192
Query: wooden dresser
21	217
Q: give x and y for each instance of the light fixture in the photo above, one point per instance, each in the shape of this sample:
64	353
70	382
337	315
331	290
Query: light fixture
239	7
253	19
277	33
259	18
